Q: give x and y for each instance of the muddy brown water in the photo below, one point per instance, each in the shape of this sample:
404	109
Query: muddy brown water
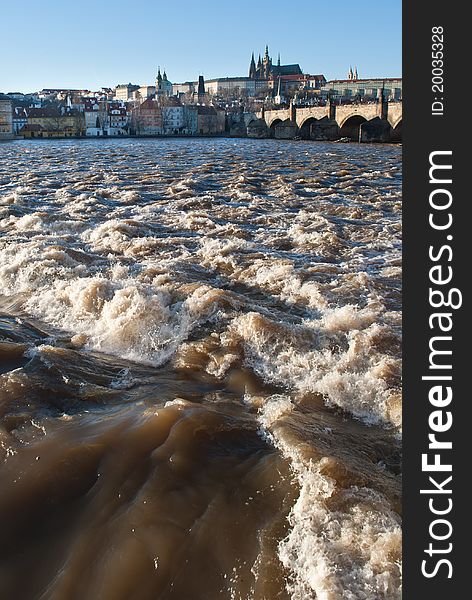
200	391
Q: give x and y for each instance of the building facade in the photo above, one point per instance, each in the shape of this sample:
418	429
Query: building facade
117	118
237	86
172	116
105	118
145	92
210	120
190	119
188	87
54	122
6	118
299	82
364	89
95	116
19	119
125	91
146	118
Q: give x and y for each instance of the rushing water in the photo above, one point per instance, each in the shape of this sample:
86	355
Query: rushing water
200	358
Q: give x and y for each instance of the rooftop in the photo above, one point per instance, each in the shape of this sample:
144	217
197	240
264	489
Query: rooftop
286	69
301	77
372	79
231	79
32	127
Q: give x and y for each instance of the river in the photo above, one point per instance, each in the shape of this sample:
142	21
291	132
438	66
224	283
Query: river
200	358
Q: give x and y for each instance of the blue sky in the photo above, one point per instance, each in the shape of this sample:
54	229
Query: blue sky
90	44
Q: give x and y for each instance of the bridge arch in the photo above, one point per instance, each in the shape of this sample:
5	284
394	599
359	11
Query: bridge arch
310	119
307	126
275	122
271	117
350	126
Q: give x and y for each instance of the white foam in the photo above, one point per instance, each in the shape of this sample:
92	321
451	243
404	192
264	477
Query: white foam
124	318
350	377
352	552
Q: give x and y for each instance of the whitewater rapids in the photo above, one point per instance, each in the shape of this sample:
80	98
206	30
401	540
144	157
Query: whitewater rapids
200	358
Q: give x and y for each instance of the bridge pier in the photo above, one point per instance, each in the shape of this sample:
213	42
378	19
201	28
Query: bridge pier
287	130
376	130
321	130
331	110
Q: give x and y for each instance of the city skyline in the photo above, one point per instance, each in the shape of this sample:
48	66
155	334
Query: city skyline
106	44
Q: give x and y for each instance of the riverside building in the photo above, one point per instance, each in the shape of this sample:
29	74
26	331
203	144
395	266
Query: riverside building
368	89
6	118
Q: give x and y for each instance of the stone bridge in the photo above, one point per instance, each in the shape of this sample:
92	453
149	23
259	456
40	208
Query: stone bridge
377	121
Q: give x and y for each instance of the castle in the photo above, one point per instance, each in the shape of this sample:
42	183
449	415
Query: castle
265	69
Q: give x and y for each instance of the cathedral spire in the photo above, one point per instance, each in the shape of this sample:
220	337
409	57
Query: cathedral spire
159	76
278	60
252	67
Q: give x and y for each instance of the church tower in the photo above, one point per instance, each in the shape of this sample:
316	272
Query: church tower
163	85
201	90
266	64
252	68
